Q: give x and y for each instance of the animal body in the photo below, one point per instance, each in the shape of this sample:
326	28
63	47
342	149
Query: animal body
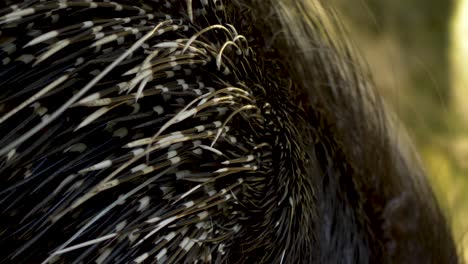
200	131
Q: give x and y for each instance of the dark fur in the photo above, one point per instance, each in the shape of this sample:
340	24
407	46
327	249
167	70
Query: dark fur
336	183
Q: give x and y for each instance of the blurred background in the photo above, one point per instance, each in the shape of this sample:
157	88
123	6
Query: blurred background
417	51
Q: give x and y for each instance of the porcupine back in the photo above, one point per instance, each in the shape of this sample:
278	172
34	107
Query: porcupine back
200	131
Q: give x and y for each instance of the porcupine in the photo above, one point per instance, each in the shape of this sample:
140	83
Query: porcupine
201	131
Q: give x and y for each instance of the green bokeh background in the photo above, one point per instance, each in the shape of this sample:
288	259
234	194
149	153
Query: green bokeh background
407	45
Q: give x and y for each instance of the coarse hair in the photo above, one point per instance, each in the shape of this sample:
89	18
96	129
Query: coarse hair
201	131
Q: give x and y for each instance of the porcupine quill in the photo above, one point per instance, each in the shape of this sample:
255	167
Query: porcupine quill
200	131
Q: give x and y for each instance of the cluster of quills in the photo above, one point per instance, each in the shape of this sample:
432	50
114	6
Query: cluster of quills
137	131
